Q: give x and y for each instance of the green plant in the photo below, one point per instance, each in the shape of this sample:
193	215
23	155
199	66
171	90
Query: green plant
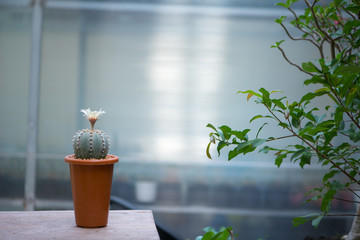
91	143
212	234
328	135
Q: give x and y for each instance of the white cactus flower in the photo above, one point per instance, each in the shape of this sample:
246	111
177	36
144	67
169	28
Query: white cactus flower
92	116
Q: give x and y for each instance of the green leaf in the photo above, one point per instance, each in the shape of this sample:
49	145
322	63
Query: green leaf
233	153
257	142
211	126
329	136
305	159
251	93
320	90
349	25
277	44
256	117
279	159
351	95
245	147
297	154
220	146
281	4
326	202
310	67
278	103
242	135
329	175
208	150
316	221
265	97
342	125
303	219
295	122
298	146
242	147
257	134
284	125
290	2
314	80
280	19
208	235
223	235
310	116
266	149
328	124
310	138
310	95
222	136
349	69
226	131
354	9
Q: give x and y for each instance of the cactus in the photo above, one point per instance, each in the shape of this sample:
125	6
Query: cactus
91	143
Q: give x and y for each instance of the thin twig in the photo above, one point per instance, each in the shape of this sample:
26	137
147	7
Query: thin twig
345	200
301	28
341	215
321	48
293	64
274	139
297	39
231	234
350	14
326	34
351	190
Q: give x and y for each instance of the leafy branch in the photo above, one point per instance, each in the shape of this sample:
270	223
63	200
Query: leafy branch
333	28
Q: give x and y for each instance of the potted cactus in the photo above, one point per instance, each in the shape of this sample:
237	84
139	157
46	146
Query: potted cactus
91	171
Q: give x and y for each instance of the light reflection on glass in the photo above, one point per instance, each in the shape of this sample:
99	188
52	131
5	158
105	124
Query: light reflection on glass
166	78
186	64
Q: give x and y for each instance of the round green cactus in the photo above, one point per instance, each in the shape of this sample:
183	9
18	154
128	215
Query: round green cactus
91	143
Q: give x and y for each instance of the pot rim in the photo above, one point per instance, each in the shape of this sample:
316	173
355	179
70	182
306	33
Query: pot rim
110	159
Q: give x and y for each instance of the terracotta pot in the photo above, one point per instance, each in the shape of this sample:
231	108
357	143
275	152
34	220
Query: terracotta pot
91	188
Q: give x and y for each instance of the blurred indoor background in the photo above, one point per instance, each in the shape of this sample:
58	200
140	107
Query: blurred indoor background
162	70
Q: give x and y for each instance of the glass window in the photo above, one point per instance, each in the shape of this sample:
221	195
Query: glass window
15	32
161	71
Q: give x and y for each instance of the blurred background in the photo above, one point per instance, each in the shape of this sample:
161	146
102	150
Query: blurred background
161	70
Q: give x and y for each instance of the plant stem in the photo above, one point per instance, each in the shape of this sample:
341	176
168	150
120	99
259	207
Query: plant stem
302	29
231	234
351	190
342	215
297	39
274	139
345	200
291	63
321	29
92	122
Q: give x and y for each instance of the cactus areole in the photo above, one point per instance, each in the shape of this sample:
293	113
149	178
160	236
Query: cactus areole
91	143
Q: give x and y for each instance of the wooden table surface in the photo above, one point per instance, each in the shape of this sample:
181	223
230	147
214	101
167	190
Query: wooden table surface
123	224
